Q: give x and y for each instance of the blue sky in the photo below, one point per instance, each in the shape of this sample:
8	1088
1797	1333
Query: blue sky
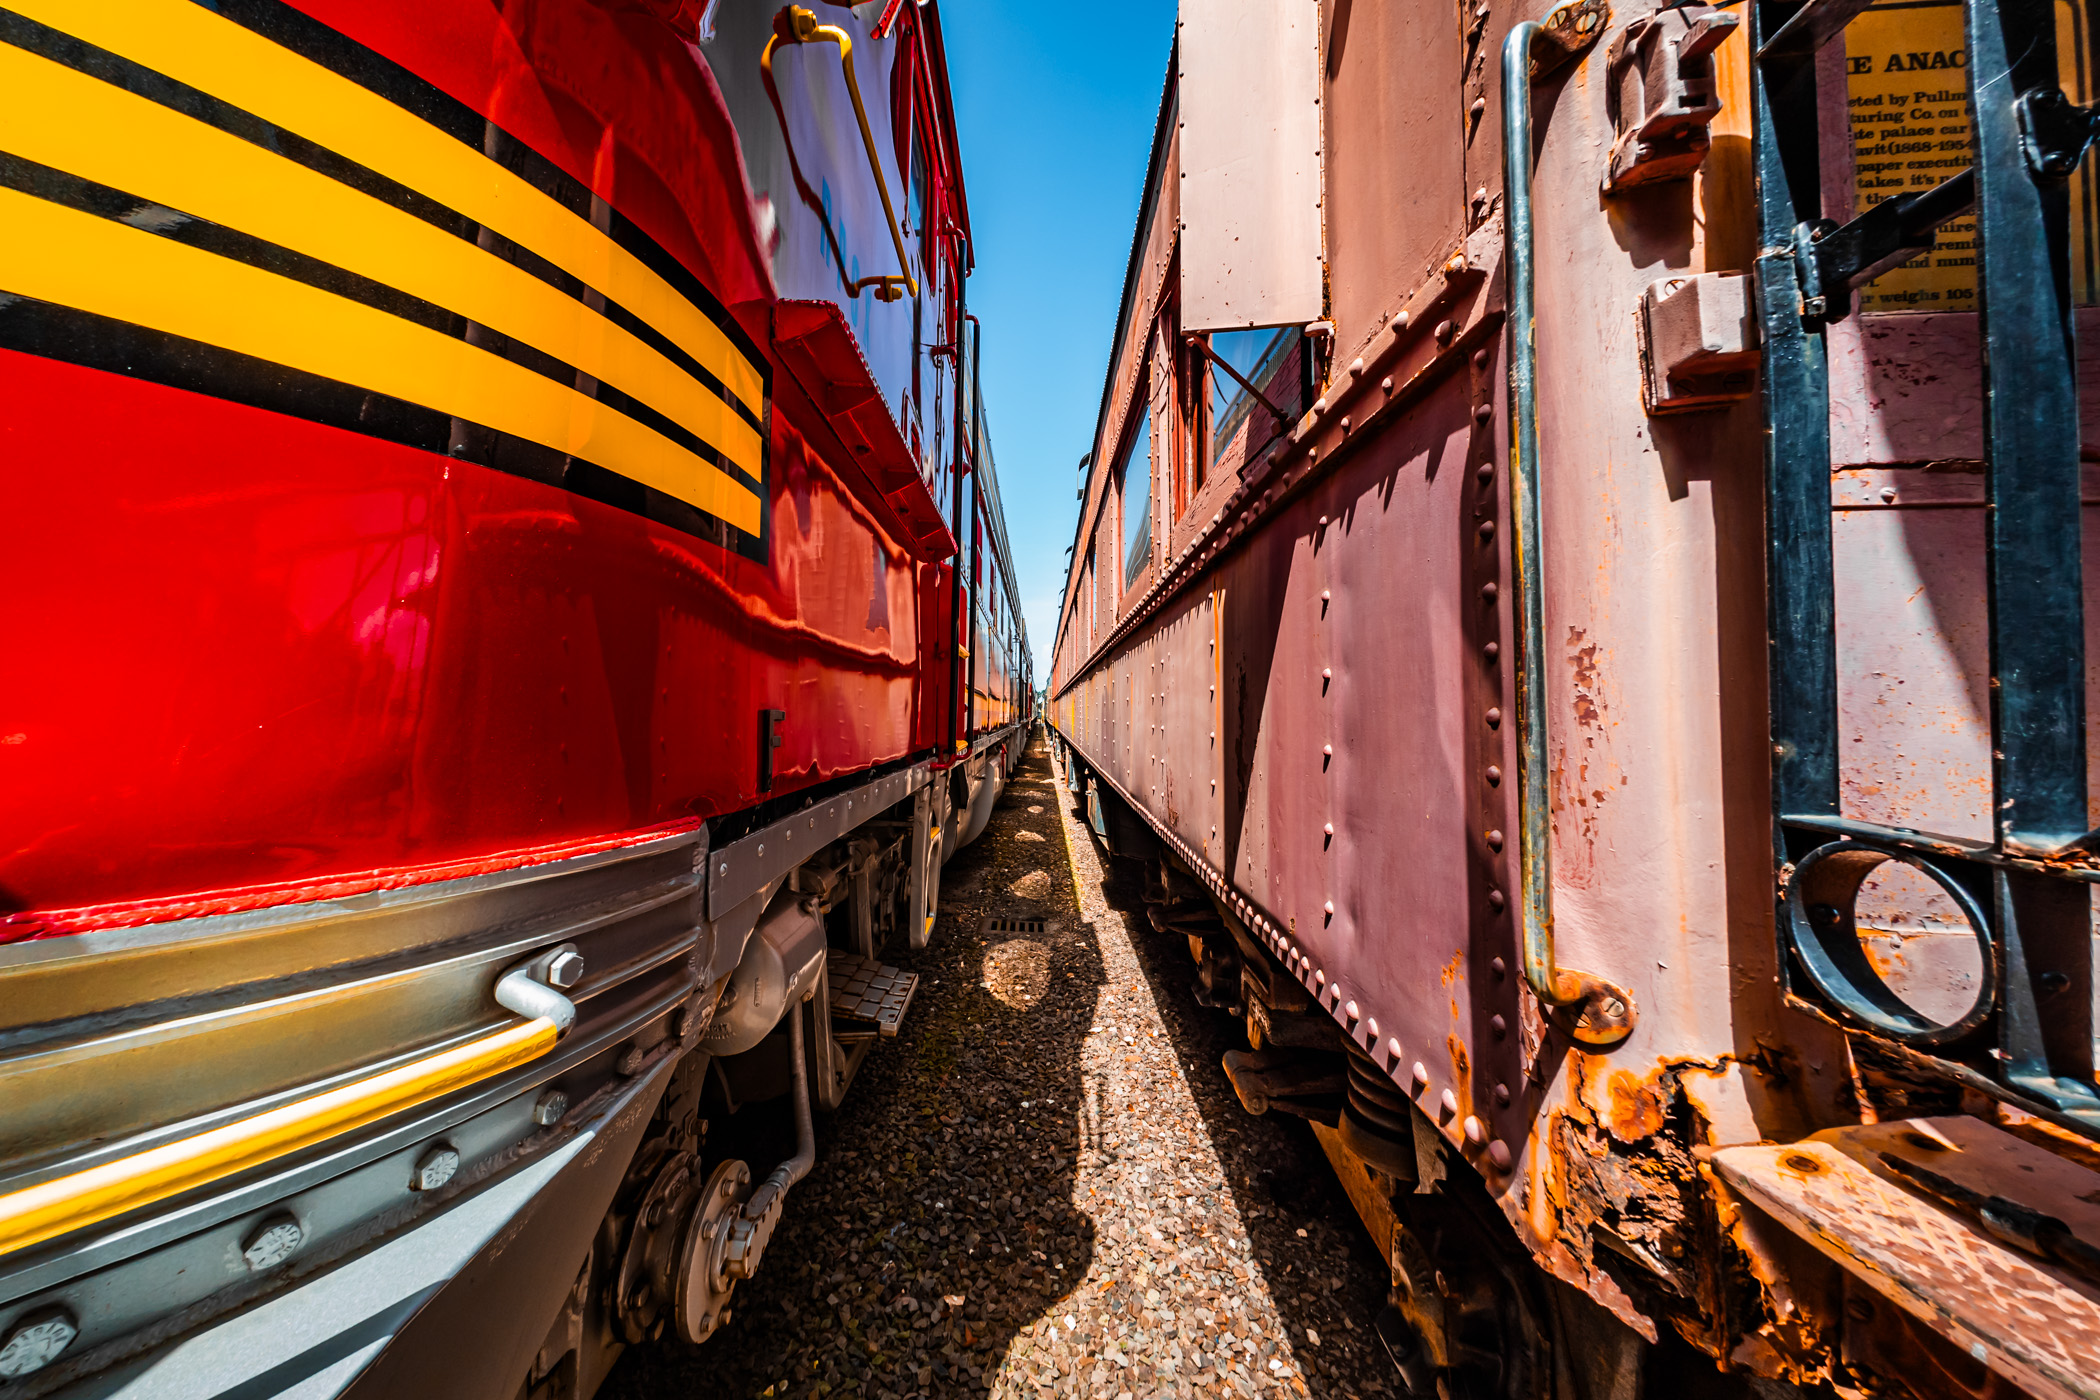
1054	108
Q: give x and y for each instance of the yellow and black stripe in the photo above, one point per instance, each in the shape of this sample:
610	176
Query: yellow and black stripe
246	203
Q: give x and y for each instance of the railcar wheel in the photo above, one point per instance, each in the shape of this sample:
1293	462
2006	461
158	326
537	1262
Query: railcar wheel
703	1285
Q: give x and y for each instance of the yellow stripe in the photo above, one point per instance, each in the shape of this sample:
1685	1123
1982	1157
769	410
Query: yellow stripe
191	44
53	115
39	1213
61	255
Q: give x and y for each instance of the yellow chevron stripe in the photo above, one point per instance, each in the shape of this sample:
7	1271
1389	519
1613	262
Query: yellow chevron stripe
62	255
58	117
189	43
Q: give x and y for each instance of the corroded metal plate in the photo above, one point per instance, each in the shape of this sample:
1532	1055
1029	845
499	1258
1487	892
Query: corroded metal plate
2025	1318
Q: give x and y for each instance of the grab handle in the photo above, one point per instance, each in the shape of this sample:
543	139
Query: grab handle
795	25
1596	1011
53	1208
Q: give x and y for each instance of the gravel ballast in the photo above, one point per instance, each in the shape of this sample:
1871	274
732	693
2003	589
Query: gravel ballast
1045	1186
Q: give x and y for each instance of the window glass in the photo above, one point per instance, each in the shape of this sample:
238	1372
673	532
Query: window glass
1259	356
1137	499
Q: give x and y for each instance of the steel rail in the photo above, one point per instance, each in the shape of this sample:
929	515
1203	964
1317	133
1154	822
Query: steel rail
52	1208
796	25
1599	1012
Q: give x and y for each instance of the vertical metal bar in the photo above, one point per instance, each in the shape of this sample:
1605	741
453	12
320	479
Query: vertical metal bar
1605	1013
2030	439
1796	384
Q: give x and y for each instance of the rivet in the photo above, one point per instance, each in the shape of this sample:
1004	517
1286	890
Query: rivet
1354	1015
724	869
1421	1074
1499	1026
1323	595
1492	650
1502	1095
1326	673
1327	749
1487	531
1494	840
1475	1134
1386	384
1319	979
1480	356
1329	908
1494	775
1498	1155
1487	594
1444	330
1401	321
1449	1102
1495	900
1345	422
1480	104
1494	716
1501	968
1323	521
1327	830
1482	412
1356	366
1392	1046
1480	195
1371	1029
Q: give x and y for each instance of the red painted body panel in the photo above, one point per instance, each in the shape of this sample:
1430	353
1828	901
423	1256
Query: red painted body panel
387	658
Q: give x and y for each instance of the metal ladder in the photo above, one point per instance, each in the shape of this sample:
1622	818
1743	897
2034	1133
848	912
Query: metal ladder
2028	1039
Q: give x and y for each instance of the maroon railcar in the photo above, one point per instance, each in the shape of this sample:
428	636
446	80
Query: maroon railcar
507	601
1580	604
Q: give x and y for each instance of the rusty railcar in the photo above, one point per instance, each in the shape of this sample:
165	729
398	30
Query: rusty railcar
1577	599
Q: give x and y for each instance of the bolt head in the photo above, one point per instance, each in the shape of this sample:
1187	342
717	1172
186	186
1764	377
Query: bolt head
1498	1155
565	969
36	1341
437	1167
548	1108
275	1241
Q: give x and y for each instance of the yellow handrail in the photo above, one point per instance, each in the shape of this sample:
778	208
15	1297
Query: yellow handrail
52	1208
802	28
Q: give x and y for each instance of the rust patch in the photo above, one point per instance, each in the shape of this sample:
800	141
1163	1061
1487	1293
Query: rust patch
1582	661
1461	1065
1637	1109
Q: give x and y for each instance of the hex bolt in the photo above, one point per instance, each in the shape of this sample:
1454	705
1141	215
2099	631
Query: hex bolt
548	1108
438	1166
275	1241
565	970
35	1341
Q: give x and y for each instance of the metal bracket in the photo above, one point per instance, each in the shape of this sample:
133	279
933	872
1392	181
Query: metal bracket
2055	132
1836	259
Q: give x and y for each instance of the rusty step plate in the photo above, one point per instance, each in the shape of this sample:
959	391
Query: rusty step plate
869	992
1907	1207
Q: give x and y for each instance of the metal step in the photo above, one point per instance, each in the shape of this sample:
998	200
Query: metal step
1985	1237
871	993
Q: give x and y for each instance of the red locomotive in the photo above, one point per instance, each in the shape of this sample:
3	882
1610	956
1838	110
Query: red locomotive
509	610
1585	604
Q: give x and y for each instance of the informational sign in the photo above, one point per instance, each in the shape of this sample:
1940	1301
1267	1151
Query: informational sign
1908	96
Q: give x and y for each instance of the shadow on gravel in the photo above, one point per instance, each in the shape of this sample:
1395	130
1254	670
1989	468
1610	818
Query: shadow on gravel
1323	1273
939	1219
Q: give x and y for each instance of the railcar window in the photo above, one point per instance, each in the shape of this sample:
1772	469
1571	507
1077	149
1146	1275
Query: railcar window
1137	499
1260	356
